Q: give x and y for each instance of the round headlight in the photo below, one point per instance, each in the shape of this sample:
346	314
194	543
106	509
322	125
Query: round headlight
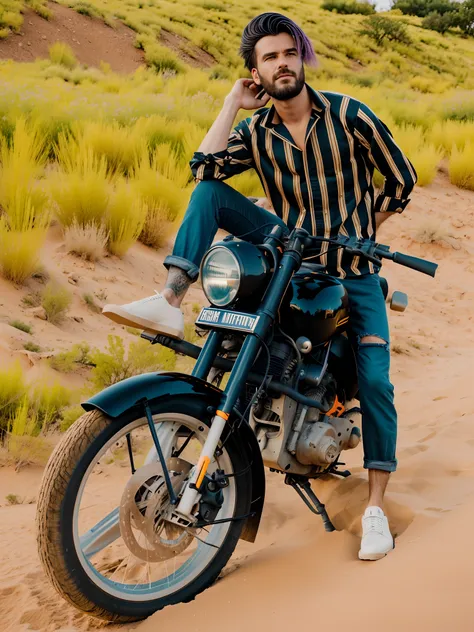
220	274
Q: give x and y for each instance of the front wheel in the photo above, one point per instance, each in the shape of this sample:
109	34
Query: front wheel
101	536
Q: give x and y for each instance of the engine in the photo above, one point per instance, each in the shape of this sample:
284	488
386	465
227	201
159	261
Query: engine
320	442
292	437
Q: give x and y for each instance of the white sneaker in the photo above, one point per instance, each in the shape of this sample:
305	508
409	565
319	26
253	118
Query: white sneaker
377	540
153	314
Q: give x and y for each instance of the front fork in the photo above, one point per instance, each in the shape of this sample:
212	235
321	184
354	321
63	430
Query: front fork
237	377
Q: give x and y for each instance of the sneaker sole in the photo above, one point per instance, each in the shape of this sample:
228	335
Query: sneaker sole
372	556
122	317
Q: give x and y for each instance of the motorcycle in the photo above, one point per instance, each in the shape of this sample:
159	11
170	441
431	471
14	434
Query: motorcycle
188	457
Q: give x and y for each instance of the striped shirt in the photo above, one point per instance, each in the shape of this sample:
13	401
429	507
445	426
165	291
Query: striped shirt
327	188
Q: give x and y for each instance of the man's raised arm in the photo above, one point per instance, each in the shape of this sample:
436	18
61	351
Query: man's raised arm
224	153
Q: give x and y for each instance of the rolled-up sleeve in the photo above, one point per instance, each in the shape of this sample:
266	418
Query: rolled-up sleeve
229	162
388	158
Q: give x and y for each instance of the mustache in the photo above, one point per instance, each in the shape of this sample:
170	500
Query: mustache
284	72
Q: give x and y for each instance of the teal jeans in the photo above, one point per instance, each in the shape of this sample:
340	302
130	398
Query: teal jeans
215	205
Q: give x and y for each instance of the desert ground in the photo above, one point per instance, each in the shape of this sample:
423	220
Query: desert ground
296	574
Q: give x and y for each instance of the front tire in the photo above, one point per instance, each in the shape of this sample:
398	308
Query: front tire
63	483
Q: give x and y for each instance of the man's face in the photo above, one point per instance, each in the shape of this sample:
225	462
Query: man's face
279	68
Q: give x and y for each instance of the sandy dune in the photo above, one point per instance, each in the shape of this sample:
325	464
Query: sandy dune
296	574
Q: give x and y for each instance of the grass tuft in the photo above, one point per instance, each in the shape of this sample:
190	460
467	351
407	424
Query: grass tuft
55	301
461	167
18	324
87	241
62	54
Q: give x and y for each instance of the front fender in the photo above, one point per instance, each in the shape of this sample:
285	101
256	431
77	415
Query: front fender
129	394
120	398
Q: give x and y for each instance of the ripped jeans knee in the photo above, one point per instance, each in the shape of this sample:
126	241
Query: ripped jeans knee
372	340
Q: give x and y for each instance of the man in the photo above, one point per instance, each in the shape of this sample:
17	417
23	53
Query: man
315	153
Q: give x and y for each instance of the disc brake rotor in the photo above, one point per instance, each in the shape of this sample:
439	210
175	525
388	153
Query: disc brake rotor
144	502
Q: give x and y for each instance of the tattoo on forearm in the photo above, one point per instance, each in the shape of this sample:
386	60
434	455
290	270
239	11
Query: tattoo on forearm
178	281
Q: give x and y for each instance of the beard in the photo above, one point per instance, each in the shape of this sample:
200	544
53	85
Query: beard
288	91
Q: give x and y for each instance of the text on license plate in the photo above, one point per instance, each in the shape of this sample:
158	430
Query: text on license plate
227	319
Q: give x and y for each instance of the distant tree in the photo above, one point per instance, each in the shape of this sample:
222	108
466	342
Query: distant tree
380	28
423	8
440	22
347	7
465	17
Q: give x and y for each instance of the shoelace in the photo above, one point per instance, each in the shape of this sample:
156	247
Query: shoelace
150	298
373	523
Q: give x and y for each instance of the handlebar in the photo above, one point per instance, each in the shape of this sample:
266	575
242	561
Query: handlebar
421	265
366	248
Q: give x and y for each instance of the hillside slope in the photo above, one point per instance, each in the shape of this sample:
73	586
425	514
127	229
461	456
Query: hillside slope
296	571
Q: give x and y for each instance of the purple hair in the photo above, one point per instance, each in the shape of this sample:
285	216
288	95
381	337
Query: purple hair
274	24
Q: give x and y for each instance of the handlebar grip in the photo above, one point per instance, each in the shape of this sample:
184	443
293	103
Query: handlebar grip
427	267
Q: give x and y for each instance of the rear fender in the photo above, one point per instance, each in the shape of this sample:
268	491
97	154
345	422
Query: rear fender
128	396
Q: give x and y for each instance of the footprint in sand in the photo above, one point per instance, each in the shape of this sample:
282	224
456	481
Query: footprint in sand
414	449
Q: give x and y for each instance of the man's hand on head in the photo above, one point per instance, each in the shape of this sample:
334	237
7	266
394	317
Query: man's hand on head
244	94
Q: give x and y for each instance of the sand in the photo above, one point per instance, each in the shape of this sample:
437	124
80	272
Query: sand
296	574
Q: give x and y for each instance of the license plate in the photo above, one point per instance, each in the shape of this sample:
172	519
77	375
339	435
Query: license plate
227	319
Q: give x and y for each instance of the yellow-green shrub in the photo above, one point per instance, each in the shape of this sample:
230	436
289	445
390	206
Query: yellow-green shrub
55	301
164	202
125	219
461	167
449	134
10	16
19	251
67	360
82	190
426	160
12	391
62	54
47	401
119	146
23	202
248	184
114	364
161	59
40	8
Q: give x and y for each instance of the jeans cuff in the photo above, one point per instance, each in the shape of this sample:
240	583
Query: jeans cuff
189	267
386	466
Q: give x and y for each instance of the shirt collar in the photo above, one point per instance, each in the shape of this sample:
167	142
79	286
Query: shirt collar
318	107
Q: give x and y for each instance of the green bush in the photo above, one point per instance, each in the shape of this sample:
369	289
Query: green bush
55	301
439	22
31	346
18	324
422	8
465	17
380	28
115	364
66	362
348	6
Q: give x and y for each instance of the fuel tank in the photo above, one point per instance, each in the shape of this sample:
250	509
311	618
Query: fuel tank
315	305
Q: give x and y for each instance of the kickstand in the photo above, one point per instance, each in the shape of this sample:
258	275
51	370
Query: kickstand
302	487
335	471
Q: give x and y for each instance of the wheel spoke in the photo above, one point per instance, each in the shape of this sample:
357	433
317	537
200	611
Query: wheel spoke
102	534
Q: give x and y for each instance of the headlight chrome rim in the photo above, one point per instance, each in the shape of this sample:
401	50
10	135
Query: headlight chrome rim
207	287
